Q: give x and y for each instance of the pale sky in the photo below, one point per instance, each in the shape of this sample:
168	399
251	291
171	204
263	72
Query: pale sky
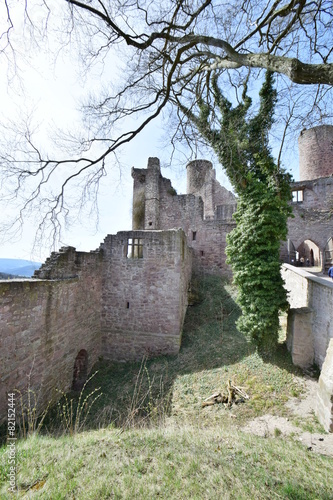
53	93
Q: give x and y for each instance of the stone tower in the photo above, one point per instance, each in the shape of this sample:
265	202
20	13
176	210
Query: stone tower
316	153
200	182
146	196
152	204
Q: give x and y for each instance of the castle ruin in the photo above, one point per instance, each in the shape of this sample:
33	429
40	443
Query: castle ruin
128	298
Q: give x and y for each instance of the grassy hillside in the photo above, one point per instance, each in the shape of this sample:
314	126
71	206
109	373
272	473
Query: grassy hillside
147	436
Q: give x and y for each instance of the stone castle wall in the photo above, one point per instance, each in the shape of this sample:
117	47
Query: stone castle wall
310	231
128	298
44	324
204	213
310	332
144	299
315	294
313	217
102	303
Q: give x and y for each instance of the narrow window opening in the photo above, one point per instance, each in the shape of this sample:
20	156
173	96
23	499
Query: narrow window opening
135	248
298	196
194	235
202	253
127	305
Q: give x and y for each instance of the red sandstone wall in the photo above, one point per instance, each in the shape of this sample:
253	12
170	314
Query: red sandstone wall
205	225
144	300
186	211
313	217
43	325
209	247
309	291
201	181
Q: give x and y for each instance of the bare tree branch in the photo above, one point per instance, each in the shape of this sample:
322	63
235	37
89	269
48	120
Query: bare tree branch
170	50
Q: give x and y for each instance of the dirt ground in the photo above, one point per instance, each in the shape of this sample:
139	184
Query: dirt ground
303	407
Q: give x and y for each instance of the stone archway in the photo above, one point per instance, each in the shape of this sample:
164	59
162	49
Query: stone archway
80	371
309	254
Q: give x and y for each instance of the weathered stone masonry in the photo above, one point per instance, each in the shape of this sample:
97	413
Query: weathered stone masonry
106	303
204	213
310	231
128	298
310	243
144	299
44	324
310	332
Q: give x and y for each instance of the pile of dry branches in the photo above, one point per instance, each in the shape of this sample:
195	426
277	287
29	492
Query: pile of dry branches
234	395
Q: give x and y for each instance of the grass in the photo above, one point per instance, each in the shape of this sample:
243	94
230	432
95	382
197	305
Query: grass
170	462
148	437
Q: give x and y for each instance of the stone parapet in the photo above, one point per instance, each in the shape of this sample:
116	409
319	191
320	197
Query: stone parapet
300	337
324	408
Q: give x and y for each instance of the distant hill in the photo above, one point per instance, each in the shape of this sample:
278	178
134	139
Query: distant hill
5	276
18	267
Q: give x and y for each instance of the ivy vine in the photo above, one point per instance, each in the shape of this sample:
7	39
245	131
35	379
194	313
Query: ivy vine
263	188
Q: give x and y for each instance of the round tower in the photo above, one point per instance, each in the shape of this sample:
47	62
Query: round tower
316	152
196	174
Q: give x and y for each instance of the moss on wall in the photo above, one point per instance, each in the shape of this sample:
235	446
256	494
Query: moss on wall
139	211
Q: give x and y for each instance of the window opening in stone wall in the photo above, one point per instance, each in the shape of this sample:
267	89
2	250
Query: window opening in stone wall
150	223
194	235
80	371
202	253
135	248
298	196
127	305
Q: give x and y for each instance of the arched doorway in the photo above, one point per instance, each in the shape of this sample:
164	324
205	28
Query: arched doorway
80	371
311	258
309	254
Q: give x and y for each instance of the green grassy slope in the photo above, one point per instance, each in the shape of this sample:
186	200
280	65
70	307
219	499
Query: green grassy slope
147	435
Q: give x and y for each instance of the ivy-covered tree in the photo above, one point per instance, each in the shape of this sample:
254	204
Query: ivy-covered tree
165	53
263	189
